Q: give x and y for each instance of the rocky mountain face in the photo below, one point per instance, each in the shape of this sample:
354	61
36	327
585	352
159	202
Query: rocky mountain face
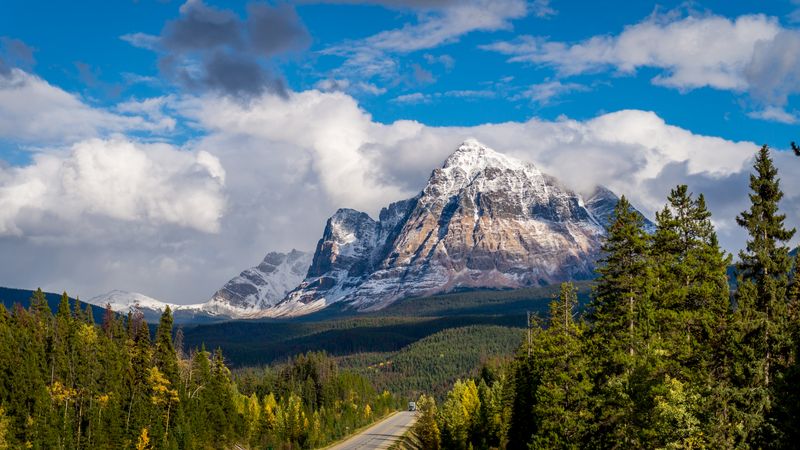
262	286
484	220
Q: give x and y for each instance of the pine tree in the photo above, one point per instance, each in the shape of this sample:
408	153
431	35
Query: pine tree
524	382
164	356
691	304
622	285
64	308
763	271
39	306
562	411
88	312
621	316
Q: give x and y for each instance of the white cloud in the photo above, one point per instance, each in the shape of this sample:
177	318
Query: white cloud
34	111
413	98
153	108
774	70
364	164
289	164
751	53
142	40
542	8
438	23
146	184
774	114
446	26
544	93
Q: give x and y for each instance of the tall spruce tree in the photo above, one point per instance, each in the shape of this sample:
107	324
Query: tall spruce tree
762	318
562	411
164	356
691	295
621	317
691	302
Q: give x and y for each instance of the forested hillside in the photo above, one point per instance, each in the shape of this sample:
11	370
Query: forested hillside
666	356
343	332
66	382
432	364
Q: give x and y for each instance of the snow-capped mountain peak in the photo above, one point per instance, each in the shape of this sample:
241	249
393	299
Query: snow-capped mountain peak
473	156
483	220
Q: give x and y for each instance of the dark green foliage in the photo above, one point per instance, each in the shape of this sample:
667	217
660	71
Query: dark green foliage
432	364
68	383
621	314
763	325
249	342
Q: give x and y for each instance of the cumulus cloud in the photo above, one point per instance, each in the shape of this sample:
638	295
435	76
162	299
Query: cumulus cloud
751	53
149	184
773	72
283	178
34	111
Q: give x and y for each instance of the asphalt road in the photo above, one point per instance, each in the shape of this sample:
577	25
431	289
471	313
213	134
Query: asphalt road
381	435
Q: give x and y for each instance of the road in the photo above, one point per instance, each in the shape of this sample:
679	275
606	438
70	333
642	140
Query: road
381	435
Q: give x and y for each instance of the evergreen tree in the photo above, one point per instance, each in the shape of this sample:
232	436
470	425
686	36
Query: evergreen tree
39	307
524	382
762	320
622	318
691	304
562	411
164	356
64	308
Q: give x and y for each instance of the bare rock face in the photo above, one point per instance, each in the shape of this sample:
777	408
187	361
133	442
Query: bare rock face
260	287
484	220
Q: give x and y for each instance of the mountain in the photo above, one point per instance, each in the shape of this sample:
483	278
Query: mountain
261	287
484	220
123	302
245	296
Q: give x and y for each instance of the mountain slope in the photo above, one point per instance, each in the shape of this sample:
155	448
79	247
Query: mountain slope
260	287
484	220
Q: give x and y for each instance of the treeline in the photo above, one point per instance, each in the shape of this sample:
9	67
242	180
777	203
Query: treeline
67	383
666	355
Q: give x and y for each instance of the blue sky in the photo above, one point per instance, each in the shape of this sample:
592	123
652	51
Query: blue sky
79	49
172	144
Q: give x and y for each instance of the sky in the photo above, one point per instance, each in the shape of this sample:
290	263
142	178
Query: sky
162	147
